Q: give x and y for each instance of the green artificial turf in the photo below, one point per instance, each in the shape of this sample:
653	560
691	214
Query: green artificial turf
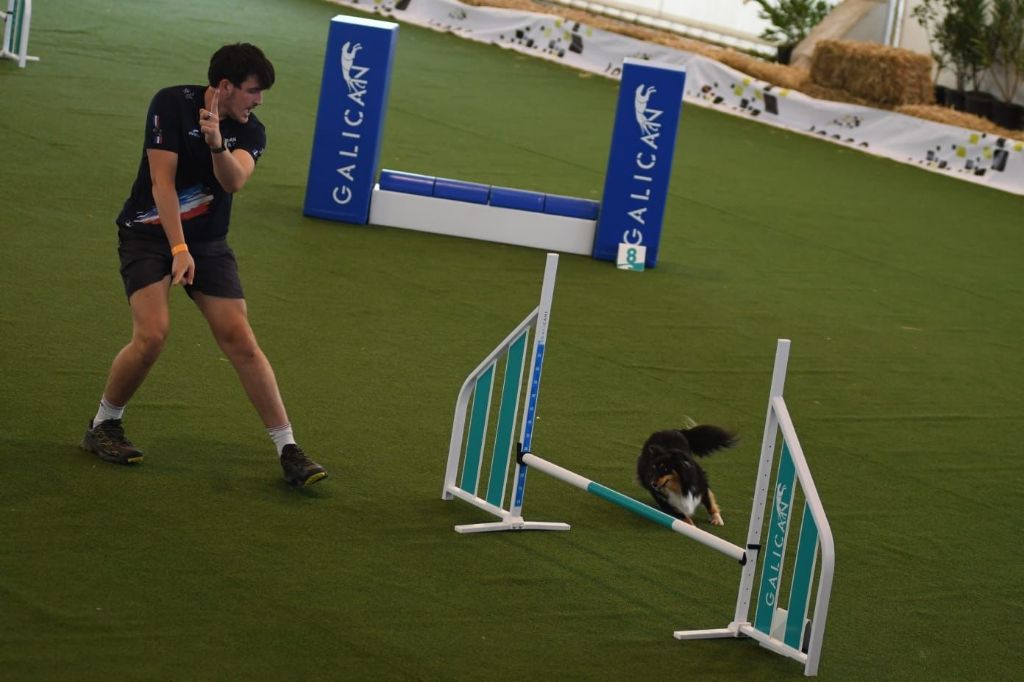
900	291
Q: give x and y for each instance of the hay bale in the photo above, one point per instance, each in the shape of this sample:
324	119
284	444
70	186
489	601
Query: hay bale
832	95
961	119
884	76
778	75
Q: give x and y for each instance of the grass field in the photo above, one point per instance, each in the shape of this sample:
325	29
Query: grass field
901	292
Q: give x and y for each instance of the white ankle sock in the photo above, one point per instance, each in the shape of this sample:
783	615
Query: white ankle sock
281	435
107	411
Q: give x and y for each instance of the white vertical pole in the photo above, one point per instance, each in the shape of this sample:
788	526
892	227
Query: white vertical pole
761	485
897	29
540	339
8	24
23	22
892	23
458	430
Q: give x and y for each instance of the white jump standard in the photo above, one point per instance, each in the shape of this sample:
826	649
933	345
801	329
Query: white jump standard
786	631
17	20
478	387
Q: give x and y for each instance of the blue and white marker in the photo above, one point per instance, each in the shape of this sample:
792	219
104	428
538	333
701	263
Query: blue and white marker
639	164
350	118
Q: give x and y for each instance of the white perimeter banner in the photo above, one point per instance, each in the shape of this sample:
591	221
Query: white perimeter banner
970	155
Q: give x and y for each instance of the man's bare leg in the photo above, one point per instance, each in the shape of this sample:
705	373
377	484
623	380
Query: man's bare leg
150	325
229	322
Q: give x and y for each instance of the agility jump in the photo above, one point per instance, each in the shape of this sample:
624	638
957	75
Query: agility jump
625	227
785	631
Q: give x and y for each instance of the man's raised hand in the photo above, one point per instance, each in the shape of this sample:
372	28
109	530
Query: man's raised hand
209	122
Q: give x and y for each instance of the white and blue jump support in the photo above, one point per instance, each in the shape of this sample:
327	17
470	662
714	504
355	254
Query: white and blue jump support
786	631
478	388
17	20
625	226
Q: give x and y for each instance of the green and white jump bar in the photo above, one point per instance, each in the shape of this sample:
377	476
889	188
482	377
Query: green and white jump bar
635	506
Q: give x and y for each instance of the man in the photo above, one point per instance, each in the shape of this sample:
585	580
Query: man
202	145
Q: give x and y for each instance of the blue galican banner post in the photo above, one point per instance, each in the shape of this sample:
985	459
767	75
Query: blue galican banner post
640	162
350	118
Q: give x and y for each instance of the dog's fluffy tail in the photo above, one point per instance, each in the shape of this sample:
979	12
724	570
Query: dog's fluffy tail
705	438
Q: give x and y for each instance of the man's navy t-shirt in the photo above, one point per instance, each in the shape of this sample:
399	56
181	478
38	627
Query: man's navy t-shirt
172	124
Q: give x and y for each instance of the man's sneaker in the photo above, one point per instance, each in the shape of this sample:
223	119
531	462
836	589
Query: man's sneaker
299	469
107	440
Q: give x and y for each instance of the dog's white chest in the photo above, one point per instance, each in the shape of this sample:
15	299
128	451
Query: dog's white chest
684	502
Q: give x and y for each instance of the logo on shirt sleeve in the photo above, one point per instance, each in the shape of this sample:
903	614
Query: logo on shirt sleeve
157	131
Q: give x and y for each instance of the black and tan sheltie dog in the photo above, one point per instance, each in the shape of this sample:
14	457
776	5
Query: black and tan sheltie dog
667	468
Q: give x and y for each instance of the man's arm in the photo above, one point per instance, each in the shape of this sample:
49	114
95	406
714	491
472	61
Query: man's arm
232	169
162	167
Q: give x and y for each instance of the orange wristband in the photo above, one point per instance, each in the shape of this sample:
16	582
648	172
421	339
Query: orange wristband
179	248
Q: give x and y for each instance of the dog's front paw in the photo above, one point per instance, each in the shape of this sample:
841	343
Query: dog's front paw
716	520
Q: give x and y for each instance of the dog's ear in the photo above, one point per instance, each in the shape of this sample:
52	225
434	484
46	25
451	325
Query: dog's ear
656	451
679	454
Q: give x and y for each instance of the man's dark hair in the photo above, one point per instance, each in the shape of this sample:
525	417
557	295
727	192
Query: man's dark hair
239	61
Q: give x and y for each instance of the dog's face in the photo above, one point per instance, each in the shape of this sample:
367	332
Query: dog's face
660	469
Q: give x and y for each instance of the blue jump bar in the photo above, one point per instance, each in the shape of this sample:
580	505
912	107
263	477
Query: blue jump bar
460	190
407	183
478	193
571	207
520	199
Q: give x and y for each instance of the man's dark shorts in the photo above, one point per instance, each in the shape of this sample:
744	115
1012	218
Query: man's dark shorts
145	261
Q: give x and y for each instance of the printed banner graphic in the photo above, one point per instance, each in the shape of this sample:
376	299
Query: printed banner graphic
350	118
960	153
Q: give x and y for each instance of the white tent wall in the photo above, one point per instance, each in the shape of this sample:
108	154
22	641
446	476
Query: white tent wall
733	23
736	23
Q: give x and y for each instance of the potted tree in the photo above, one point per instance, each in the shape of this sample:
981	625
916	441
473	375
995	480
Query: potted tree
957	30
1005	43
928	17
791	21
971	29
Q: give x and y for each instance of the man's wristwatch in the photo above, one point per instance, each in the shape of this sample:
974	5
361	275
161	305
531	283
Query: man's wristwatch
222	148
